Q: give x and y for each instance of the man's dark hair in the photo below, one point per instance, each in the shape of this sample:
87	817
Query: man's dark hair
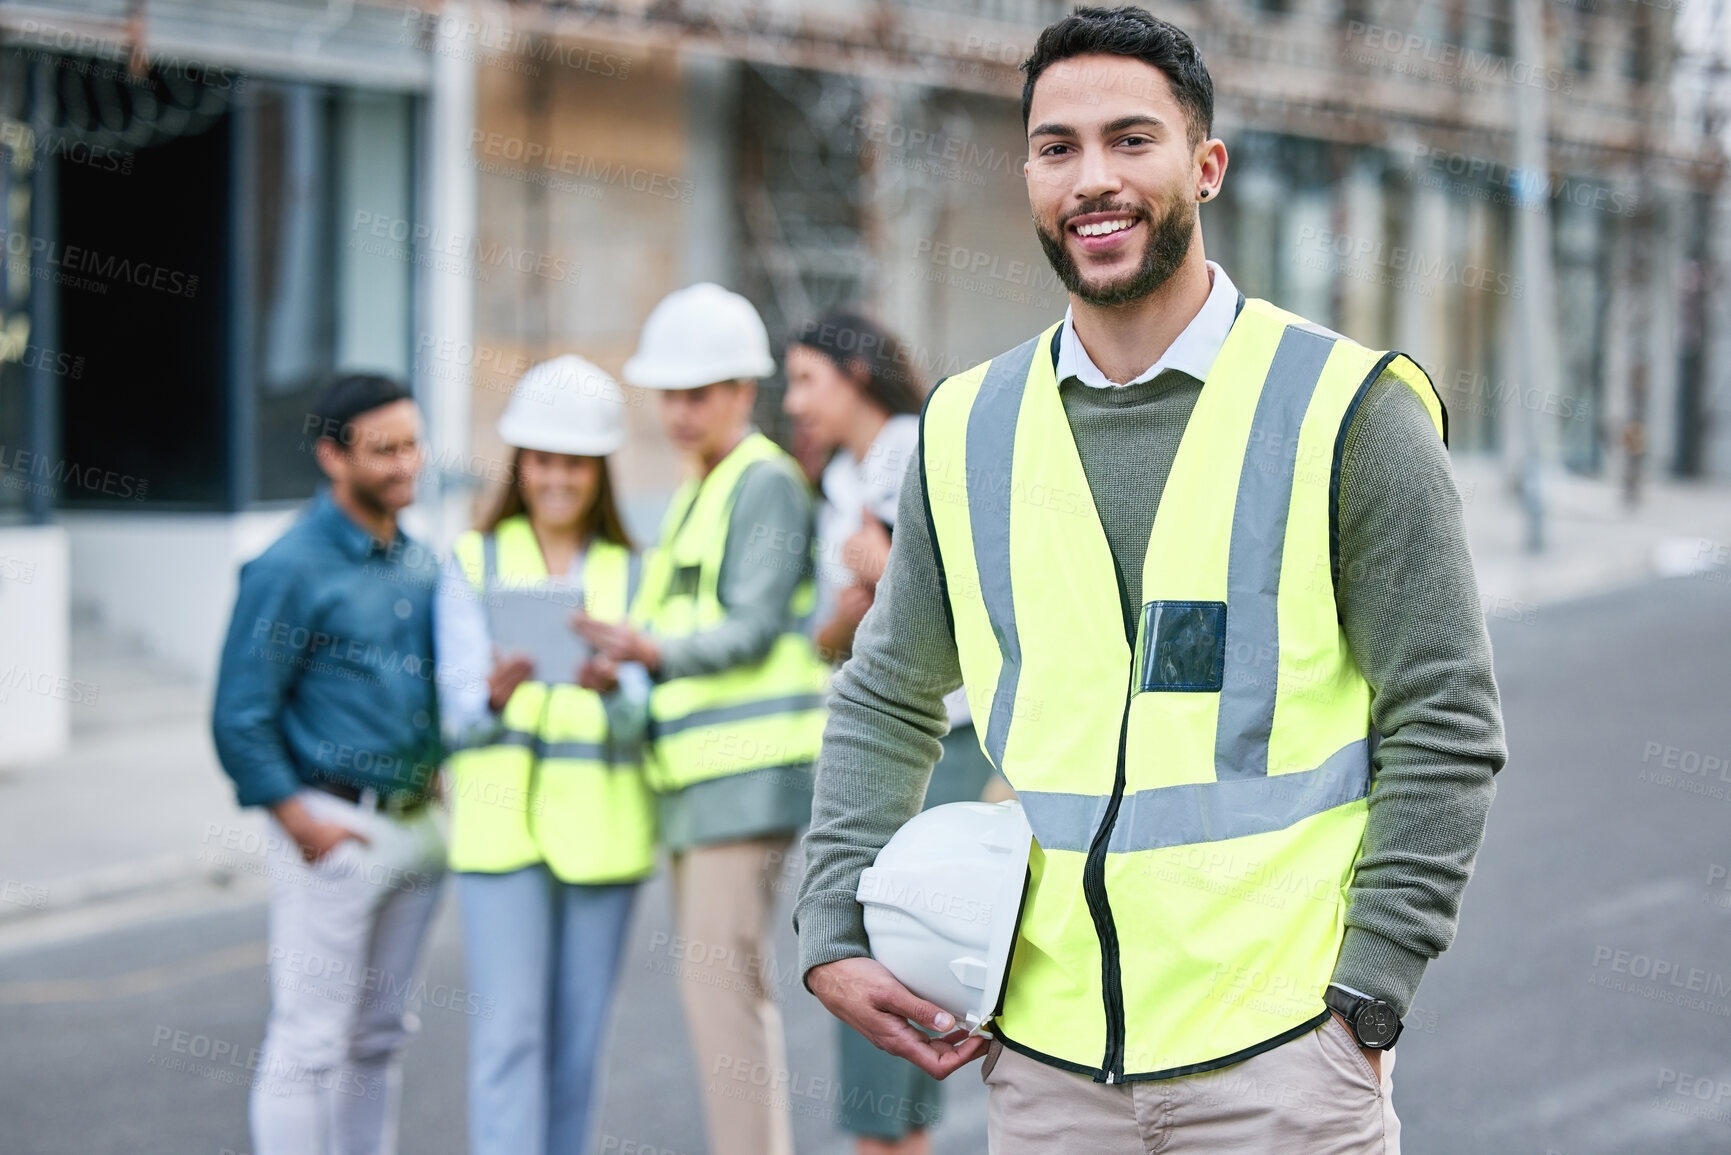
1129	31
347	397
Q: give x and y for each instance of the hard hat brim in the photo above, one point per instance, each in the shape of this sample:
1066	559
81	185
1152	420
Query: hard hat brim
547	441
647	374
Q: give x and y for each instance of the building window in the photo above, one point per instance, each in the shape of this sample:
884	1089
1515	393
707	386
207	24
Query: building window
19	354
199	250
331	212
1581	254
799	226
1577	37
127	249
1638	47
1487	26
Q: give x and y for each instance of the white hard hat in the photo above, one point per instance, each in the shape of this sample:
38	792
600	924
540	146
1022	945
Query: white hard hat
699	335
565	405
941	904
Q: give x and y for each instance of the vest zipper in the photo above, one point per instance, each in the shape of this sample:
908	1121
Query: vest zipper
1094	870
533	786
1094	889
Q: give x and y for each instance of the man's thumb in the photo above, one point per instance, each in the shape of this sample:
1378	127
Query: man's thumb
929	1015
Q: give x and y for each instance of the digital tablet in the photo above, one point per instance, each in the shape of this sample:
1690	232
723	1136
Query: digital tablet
537	623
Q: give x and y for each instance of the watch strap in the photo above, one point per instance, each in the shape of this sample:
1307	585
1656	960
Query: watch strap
1342	1003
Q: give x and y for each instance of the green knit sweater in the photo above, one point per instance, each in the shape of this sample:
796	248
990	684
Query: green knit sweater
1411	613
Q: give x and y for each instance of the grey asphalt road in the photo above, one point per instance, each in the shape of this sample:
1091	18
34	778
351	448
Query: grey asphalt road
1584	1010
1585	1007
136	1041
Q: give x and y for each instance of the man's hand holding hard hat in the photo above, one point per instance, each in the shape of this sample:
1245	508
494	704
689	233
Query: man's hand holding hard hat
941	904
862	993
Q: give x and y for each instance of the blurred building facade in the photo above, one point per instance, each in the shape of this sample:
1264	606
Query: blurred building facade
178	186
451	192
837	153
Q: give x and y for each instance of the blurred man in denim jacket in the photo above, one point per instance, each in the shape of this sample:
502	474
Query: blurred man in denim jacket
326	715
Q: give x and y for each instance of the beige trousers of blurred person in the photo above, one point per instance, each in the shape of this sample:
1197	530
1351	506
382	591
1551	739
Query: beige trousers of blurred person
723	901
1315	1095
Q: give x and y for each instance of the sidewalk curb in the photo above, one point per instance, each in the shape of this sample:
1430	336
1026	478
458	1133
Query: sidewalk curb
191	898
111	884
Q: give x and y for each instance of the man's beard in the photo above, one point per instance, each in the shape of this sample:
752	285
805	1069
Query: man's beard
370	496
1167	245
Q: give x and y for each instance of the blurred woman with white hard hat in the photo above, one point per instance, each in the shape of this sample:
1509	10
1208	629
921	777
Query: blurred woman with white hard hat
552	823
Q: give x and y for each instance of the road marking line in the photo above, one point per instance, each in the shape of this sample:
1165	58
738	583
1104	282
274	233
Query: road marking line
138	982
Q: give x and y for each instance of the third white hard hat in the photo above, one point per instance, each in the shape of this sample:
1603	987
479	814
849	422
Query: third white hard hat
566	405
699	335
941	904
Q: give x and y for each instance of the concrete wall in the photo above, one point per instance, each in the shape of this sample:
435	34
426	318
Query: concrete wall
166	581
37	691
585	169
961	274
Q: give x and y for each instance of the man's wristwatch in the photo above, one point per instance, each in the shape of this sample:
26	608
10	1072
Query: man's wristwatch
1374	1023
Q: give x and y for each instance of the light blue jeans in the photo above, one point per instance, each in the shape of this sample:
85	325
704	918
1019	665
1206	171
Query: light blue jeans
543	957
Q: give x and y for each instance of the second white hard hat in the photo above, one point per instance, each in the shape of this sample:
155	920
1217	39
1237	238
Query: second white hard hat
941	904
699	335
566	405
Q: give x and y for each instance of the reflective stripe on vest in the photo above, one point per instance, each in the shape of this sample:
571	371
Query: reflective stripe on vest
768	714
1198	754
550	787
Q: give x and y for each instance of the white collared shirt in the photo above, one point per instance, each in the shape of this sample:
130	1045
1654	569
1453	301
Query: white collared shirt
1192	352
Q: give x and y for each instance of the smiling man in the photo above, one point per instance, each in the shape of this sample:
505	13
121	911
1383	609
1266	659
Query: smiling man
326	715
1243	688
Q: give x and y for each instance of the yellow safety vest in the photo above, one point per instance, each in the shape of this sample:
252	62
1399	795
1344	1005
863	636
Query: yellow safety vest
1194	760
754	717
551	788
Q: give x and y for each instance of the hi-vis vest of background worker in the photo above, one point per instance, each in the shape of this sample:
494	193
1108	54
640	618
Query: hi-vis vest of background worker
551	788
1193	757
749	717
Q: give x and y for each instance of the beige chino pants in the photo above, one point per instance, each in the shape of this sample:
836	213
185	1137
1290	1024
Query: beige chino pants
1315	1095
723	899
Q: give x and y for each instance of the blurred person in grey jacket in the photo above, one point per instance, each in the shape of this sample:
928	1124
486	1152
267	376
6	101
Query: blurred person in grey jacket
736	709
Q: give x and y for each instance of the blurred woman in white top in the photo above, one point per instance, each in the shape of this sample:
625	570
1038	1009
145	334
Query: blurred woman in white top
854	393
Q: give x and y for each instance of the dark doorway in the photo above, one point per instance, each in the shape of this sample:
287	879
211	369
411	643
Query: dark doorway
141	266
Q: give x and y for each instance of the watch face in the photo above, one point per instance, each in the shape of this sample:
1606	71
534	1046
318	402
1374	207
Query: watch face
1377	1025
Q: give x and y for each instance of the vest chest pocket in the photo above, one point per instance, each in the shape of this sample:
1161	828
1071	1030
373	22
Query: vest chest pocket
1181	647
684	582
